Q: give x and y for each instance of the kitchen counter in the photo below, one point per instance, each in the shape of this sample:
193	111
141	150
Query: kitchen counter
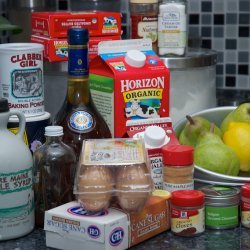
231	239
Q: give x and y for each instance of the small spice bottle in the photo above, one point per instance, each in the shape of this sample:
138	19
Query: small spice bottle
172	27
187	213
245	205
178	167
144	19
221	206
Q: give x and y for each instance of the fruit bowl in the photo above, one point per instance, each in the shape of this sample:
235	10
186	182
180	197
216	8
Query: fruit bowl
203	176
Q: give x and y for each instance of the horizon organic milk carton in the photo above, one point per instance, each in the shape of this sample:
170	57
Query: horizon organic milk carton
128	81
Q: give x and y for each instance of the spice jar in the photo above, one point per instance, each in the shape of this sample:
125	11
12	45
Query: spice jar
178	167
245	205
172	27
144	18
187	212
221	206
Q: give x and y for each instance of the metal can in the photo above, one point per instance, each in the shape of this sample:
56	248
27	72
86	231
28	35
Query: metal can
21	77
221	206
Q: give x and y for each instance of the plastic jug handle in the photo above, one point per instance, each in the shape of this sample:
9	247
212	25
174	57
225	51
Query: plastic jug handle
22	123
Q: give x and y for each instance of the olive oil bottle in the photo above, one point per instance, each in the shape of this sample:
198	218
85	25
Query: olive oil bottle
79	117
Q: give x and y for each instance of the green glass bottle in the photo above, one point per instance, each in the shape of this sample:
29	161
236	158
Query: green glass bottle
79	117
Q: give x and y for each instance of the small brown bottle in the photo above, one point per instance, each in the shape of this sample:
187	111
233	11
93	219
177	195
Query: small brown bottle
79	116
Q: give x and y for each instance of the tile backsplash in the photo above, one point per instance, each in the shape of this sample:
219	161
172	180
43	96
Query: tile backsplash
221	25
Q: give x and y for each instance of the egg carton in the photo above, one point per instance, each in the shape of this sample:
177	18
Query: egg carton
113	171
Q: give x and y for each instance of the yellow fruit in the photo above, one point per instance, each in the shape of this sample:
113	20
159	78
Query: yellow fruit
238	138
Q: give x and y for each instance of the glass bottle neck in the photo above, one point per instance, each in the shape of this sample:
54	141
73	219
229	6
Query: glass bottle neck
50	139
78	75
78	90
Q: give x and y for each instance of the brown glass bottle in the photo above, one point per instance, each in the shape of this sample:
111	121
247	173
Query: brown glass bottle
79	117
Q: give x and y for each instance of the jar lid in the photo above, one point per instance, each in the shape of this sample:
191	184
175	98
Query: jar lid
175	155
187	198
135	58
193	58
155	137
245	190
143	1
218	195
53	131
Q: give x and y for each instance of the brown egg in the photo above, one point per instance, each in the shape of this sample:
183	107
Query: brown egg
95	187
133	185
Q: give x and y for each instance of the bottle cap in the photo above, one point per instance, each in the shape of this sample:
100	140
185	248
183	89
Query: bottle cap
78	36
135	58
187	198
155	137
4	106
53	131
178	155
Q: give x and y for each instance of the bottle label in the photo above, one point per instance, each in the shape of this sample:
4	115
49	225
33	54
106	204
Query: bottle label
170	187
187	222
81	121
144	26
172	27
15	181
245	213
78	63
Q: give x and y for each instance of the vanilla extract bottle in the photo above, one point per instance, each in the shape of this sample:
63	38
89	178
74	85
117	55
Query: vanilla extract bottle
79	117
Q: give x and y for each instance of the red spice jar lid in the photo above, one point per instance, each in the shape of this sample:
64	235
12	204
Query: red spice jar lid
181	155
187	198
245	190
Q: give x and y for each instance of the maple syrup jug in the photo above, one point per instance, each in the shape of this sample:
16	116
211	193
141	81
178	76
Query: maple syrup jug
16	193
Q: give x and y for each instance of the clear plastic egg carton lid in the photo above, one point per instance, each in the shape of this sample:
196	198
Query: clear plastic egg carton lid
113	171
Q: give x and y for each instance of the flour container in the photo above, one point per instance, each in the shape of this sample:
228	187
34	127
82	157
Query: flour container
21	77
192	82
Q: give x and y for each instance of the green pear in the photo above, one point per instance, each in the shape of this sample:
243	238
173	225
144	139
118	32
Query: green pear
240	114
212	154
193	128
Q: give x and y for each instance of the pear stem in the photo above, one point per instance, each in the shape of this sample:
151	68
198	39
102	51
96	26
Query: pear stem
212	127
190	119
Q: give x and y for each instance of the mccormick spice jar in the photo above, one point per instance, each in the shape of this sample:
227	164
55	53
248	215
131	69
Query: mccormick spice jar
245	205
221	206
178	167
187	212
144	19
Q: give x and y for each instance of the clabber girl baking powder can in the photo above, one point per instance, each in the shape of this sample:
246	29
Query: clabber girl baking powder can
21	77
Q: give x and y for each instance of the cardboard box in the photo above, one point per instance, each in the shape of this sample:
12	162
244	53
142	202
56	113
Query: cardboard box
69	227
122	92
56	24
56	49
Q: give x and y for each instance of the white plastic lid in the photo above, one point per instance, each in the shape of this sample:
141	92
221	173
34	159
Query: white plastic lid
155	137
53	131
135	58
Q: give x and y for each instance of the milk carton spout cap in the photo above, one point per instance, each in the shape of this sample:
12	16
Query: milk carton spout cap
135	58
155	136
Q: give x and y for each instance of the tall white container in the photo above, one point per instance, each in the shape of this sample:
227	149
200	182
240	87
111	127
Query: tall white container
16	193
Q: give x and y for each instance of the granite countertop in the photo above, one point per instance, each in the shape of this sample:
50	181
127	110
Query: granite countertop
230	239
